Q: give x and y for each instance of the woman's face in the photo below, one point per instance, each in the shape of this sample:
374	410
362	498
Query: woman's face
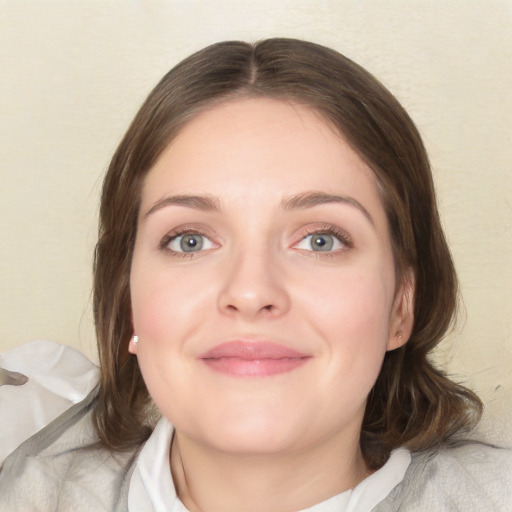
262	281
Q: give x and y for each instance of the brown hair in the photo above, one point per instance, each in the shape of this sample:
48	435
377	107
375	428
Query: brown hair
412	403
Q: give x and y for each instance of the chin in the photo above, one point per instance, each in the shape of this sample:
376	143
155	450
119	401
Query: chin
253	441
251	432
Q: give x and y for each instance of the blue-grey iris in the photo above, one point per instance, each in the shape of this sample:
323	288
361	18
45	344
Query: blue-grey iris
191	243
322	242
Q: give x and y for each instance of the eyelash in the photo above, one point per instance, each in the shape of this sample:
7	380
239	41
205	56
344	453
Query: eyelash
342	236
176	233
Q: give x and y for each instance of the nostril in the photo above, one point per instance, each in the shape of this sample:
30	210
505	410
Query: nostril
234	309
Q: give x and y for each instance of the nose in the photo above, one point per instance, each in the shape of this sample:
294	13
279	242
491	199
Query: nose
253	287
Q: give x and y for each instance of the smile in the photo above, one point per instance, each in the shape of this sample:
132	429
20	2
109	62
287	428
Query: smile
253	359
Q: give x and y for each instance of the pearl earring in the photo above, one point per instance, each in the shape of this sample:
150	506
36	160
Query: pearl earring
135	338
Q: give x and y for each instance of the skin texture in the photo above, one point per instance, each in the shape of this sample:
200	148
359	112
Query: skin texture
287	440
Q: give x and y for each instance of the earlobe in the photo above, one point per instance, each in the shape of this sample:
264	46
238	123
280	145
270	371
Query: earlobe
132	345
402	320
396	341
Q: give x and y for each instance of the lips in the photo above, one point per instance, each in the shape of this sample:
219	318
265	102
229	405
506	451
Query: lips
253	359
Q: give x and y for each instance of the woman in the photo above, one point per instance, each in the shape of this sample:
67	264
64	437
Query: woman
272	275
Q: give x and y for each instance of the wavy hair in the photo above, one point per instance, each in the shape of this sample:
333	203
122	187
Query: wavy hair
413	403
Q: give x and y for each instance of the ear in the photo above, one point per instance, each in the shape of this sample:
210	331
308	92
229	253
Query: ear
402	315
132	344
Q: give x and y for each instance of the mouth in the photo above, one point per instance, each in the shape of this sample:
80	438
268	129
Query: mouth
253	358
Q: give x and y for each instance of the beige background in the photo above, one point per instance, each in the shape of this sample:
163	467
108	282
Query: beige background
73	73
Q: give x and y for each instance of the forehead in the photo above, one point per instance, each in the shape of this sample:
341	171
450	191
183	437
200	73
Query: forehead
245	148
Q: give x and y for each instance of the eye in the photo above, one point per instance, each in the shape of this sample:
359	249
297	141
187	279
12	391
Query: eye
189	242
324	241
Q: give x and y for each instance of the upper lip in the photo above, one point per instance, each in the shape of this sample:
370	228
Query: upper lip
252	350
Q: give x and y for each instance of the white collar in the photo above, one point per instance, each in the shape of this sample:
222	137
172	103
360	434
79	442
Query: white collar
152	488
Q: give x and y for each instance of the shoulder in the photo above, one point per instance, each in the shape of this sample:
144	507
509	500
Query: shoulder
63	467
475	457
470	476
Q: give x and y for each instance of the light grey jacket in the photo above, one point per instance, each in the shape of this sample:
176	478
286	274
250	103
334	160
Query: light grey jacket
61	469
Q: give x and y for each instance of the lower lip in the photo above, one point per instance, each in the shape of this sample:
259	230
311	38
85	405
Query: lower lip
238	367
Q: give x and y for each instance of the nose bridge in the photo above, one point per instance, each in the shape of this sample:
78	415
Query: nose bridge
253	283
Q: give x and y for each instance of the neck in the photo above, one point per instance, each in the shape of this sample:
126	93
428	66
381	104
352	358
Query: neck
209	481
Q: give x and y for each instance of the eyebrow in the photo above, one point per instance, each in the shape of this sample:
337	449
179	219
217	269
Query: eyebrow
311	199
300	201
204	203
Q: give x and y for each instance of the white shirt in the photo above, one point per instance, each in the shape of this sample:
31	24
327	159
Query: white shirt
58	377
152	488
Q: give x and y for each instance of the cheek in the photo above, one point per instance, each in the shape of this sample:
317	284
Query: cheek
351	313
164	306
349	301
164	303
